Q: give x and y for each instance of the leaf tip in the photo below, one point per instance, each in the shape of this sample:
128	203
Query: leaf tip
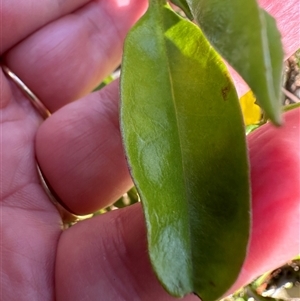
277	119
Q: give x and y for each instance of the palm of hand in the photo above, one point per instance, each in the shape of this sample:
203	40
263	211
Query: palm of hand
30	224
100	259
39	260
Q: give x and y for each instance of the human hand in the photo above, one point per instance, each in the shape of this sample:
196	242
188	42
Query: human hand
62	50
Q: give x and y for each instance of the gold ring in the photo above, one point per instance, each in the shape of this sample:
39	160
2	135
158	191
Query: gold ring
44	112
66	214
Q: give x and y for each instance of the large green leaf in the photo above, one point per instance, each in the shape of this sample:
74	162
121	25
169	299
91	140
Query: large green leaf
247	37
184	139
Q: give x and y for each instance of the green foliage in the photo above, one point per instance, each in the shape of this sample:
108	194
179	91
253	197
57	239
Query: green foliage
104	83
185	143
184	6
252	127
130	198
247	37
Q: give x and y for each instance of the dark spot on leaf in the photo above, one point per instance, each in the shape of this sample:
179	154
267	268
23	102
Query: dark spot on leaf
225	91
212	283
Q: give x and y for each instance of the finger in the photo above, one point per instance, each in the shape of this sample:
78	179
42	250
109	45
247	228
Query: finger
77	198
66	59
80	152
275	178
25	17
112	260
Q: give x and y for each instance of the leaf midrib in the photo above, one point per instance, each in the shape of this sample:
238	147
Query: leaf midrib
171	82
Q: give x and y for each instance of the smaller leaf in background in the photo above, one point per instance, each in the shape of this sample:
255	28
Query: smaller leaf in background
248	39
184	6
251	111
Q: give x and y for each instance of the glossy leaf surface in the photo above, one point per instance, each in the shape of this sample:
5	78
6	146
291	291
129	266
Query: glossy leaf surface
184	140
247	37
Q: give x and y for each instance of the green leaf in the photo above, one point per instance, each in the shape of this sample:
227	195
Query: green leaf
185	143
247	37
184	6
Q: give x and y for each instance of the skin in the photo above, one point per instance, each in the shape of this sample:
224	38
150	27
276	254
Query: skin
62	53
